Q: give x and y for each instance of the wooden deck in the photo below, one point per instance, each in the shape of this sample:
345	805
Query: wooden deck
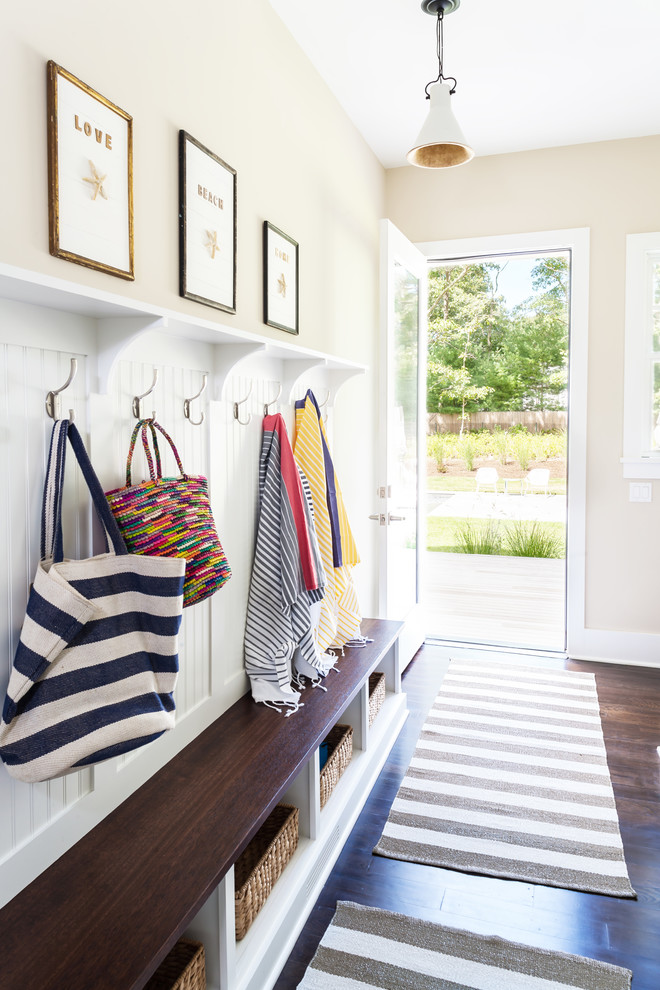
503	601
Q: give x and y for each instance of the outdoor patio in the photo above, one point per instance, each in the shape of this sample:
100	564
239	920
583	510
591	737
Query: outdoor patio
513	601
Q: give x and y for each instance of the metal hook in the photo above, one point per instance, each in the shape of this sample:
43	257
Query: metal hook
273	401
325	401
240	403
52	402
137	398
186	403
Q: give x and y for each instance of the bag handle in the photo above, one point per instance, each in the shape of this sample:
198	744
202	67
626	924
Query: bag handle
141	424
51	519
51	509
151	425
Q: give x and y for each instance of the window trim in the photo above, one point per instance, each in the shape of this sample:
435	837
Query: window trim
638	460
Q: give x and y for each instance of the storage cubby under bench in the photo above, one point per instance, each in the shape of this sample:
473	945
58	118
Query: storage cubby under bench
106	913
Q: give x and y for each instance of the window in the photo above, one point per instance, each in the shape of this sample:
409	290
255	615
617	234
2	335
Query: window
641	417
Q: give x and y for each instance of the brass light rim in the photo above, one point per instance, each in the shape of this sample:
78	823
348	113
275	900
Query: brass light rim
469	153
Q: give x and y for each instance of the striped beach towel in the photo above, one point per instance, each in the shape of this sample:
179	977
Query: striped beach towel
286	579
97	659
340	616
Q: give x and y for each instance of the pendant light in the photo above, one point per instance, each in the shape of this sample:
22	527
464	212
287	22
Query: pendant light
440	143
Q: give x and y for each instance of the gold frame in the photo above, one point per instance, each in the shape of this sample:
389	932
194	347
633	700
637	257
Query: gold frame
53	71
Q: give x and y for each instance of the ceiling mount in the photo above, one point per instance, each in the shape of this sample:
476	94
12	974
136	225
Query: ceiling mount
438	6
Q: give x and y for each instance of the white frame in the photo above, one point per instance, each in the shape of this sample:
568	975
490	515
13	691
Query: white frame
642	250
90	176
576	241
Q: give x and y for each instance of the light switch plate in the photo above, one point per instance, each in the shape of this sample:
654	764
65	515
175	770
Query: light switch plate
640	491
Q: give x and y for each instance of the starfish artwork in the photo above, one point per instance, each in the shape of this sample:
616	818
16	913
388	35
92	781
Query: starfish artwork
212	243
281	285
96	181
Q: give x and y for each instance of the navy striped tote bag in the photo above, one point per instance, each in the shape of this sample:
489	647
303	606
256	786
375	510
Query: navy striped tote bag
97	659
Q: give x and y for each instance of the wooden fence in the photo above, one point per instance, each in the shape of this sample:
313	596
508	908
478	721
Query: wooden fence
535	421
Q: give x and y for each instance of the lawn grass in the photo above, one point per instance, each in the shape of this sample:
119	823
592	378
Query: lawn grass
462	483
442	531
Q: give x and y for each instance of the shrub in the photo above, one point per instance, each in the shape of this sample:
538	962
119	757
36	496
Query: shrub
501	444
468	450
532	539
436	447
482	537
555	443
522	448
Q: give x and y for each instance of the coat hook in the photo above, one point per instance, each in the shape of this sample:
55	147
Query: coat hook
273	401
240	403
137	398
186	403
52	402
325	401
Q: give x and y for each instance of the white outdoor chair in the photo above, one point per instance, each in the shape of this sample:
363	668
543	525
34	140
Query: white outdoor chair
537	479
487	476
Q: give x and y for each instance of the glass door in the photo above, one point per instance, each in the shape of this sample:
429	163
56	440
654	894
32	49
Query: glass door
400	517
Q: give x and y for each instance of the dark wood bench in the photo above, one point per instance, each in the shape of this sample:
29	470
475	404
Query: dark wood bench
106	913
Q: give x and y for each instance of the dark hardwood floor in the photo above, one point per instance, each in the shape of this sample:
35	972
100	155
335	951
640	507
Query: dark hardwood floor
623	932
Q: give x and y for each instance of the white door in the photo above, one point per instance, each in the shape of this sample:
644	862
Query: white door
402	453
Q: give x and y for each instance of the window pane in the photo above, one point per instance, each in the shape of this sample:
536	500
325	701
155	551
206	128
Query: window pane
403	436
656	330
656	283
655	431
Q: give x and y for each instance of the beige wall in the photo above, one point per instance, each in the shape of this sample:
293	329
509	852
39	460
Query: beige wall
612	188
230	74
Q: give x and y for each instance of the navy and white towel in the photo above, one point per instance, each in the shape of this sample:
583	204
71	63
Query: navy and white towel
287	577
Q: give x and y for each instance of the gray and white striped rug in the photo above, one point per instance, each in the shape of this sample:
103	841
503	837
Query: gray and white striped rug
510	779
369	948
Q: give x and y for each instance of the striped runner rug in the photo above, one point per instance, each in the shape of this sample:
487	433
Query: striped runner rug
510	779
367	947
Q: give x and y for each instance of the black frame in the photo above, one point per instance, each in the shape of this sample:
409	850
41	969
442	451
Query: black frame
268	229
184	138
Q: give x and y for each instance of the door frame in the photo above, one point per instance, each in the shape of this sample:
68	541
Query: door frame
575	240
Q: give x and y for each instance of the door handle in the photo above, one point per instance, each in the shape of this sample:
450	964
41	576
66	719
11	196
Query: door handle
392	518
379	518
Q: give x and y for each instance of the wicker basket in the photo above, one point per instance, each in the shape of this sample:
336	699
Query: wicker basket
376	695
261	863
182	969
340	739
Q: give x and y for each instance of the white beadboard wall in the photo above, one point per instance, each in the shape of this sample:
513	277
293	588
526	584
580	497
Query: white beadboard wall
39	822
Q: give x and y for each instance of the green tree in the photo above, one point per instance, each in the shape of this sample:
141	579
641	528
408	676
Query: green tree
482	356
466	321
534	355
455	384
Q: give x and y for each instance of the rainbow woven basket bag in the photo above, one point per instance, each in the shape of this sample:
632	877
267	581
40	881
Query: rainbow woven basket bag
171	517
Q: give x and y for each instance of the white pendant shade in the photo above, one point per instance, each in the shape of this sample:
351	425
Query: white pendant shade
440	143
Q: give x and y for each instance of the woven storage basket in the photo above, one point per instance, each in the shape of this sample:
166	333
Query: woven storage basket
261	863
340	739
182	969
376	695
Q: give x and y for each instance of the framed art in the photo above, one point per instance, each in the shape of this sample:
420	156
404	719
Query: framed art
207	226
90	176
280	279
